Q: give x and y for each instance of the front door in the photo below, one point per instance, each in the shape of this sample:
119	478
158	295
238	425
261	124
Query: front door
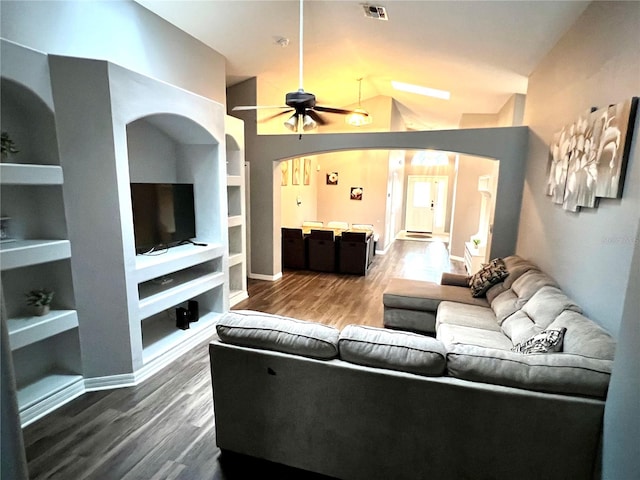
426	203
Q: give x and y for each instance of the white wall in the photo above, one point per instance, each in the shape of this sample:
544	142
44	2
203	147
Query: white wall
120	31
467	200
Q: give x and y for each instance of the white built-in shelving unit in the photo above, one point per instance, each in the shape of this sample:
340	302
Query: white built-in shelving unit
67	196
236	221
117	127
45	349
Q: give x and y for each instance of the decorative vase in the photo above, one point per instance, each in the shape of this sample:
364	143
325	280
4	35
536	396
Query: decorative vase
40	310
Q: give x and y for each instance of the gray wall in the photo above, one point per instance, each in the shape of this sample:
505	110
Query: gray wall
621	418
589	253
592	254
122	32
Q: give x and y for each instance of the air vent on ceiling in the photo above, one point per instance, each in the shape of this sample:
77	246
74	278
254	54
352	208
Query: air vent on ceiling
373	11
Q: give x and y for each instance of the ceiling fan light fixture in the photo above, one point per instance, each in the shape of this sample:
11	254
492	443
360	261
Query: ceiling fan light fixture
308	123
292	123
358	118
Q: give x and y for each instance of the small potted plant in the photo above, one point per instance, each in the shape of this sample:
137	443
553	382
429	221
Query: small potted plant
7	146
476	242
39	300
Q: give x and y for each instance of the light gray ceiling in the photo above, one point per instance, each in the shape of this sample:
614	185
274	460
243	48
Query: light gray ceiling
480	51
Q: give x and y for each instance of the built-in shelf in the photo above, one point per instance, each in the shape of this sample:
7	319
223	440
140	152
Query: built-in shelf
185	284
161	336
30	174
45	350
234	180
236	221
235	259
24	331
176	258
23	253
45	387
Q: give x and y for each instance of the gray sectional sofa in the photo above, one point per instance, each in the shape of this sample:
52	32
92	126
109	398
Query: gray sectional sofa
374	403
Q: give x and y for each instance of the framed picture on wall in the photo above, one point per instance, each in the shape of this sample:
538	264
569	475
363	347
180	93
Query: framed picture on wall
332	178
284	170
307	171
356	193
295	179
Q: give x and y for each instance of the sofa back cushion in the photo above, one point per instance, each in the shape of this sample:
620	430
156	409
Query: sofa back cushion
546	372
584	337
529	283
516	266
274	332
519	327
505	305
546	304
391	349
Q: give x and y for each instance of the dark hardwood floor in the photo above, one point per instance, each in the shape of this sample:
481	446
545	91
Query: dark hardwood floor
164	428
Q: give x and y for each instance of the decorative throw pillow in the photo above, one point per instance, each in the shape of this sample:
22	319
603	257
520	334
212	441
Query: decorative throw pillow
544	342
490	274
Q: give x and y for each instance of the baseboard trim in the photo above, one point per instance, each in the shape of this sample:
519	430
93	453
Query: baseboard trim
235	299
269	278
51	403
109	382
455	257
157	364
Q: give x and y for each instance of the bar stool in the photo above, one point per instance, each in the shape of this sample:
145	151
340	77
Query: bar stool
354	253
293	249
375	236
322	250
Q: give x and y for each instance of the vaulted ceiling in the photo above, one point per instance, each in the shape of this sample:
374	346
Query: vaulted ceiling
480	51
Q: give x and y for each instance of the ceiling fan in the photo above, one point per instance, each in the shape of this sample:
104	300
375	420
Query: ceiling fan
302	104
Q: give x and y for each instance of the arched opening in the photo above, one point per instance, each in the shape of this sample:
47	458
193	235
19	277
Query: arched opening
508	145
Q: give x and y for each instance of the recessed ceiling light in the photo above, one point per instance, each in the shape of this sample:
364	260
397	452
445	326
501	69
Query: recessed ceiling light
426	91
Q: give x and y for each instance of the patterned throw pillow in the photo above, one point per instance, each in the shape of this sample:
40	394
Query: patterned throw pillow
543	342
490	274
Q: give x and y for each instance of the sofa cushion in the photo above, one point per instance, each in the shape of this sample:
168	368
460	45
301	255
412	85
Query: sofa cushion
466	315
393	350
552	372
494	291
529	283
504	305
404	293
458	334
519	327
549	340
490	274
273	332
546	304
584	337
454	279
516	266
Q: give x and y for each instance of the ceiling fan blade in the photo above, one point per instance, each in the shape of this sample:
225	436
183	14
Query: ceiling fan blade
257	107
276	115
333	110
318	119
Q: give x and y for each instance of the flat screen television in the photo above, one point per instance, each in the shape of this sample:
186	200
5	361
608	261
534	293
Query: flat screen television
163	215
